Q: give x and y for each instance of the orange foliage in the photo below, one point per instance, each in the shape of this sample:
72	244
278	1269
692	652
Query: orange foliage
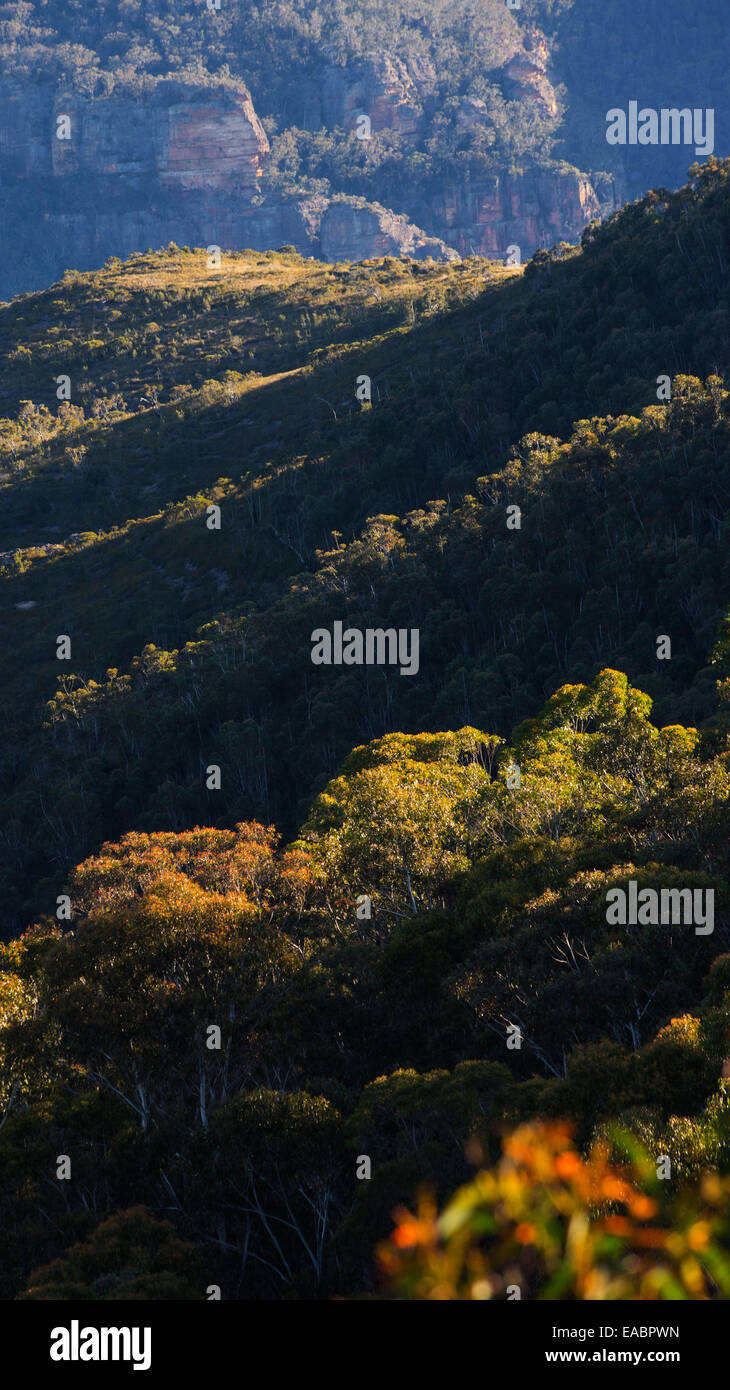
547	1222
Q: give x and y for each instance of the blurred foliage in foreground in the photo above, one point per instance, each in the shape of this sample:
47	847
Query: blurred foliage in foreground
547	1222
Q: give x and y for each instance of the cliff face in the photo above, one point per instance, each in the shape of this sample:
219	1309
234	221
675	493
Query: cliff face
110	177
203	146
341	229
188	137
463	116
483	216
529	210
527	76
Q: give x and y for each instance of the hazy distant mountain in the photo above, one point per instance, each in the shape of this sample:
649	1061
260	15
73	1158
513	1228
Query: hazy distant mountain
124	126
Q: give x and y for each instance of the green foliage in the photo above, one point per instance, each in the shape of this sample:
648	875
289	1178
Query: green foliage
345	1036
201	964
129	1255
191	646
396	825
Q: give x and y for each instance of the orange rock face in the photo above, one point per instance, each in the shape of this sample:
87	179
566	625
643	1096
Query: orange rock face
382	87
212	148
528	210
186	136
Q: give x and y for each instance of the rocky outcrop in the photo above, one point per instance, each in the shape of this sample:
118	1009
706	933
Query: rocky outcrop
98	221
352	229
82	179
204	146
483	216
526	75
392	94
184	164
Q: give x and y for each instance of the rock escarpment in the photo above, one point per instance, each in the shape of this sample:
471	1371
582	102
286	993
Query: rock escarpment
527	77
476	215
180	135
534	209
393	94
83	178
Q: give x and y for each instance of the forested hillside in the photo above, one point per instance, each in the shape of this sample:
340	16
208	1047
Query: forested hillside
256	1011
238	388
225	1034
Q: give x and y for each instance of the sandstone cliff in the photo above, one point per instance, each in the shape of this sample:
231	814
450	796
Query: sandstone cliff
527	77
475	216
181	135
82	179
534	209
